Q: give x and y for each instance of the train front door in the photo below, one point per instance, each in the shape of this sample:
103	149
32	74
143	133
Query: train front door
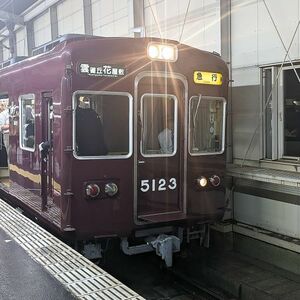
46	148
160	110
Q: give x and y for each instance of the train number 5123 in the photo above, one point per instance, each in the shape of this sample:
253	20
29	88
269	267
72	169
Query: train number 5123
159	185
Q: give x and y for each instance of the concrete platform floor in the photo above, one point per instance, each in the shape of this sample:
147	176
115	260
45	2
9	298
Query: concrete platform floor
23	278
239	275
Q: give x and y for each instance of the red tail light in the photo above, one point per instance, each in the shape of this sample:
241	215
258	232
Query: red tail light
92	190
215	180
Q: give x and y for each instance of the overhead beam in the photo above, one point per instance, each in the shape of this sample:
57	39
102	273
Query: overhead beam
6	16
87	11
225	12
138	18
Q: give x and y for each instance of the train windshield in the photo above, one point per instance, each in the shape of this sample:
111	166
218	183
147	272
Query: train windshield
159	125
207	125
102	125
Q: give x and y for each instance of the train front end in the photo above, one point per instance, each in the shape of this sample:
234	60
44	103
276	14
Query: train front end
148	136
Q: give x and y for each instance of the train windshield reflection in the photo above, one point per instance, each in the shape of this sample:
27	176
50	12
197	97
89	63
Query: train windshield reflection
102	125
207	121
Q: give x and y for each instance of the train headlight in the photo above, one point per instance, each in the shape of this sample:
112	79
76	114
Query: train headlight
165	52
202	181
215	180
168	53
153	51
92	190
111	189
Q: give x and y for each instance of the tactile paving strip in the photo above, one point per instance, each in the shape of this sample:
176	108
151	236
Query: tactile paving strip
80	276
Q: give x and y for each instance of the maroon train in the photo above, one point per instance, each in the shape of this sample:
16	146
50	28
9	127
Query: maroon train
118	137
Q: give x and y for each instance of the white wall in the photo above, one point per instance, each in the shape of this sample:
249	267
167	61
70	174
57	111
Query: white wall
112	18
115	18
6	53
272	215
202	26
42	29
255	42
21	42
254	37
70	17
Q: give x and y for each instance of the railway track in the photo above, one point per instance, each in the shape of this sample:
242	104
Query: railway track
146	275
197	289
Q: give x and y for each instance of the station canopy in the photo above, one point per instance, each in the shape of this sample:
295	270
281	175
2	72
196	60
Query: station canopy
15	7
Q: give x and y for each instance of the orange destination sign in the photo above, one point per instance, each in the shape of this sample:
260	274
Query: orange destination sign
207	78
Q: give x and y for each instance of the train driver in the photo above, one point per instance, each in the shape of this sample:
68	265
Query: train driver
89	130
166	137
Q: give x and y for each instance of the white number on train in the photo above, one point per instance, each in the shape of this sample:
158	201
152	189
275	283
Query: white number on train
159	185
162	184
172	185
145	186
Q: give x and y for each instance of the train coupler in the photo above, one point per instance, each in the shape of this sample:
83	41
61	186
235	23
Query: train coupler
165	246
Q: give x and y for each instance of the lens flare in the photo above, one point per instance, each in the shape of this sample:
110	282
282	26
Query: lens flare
153	51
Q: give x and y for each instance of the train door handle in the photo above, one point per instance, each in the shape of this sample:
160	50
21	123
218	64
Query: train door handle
141	161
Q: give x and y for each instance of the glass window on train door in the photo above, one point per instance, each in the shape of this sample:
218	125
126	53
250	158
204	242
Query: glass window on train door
207	125
159	125
27	122
102	125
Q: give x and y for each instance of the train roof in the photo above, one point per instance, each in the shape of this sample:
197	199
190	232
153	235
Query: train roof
69	38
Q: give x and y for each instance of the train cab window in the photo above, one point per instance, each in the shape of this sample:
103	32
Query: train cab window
207	125
102	125
27	122
159	125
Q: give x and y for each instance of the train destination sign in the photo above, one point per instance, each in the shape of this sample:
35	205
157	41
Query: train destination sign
207	78
103	70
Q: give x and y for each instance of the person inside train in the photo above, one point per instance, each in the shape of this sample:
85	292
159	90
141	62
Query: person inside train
29	127
4	122
89	130
166	137
4	132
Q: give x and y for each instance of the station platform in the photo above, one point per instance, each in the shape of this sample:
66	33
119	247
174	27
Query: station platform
36	265
23	278
240	276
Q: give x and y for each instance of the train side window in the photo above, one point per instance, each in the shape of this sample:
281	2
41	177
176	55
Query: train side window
102	125
159	125
207	125
27	122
